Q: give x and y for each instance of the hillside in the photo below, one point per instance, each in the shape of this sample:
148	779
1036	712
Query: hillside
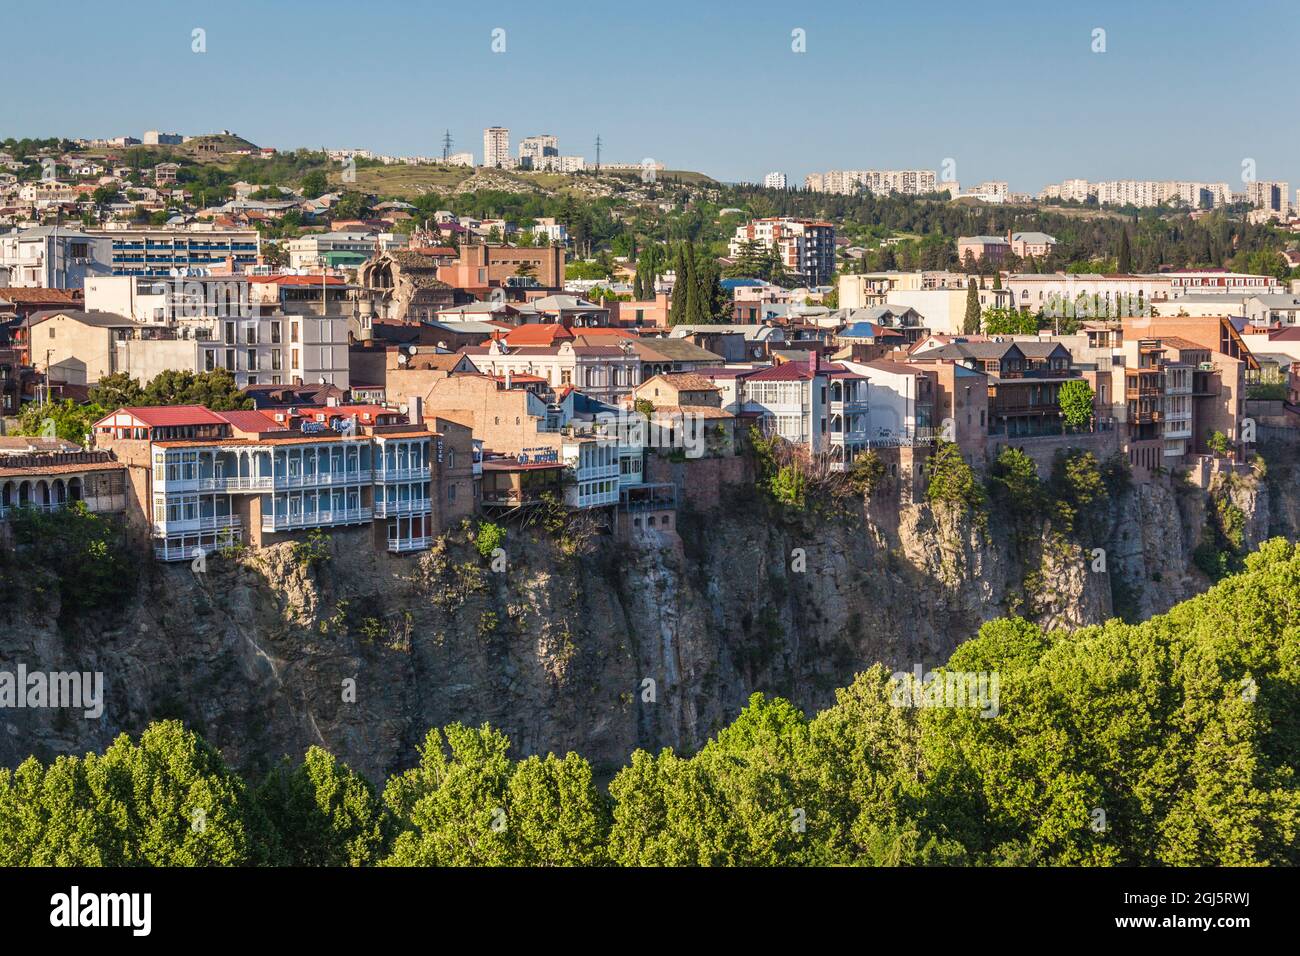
1171	742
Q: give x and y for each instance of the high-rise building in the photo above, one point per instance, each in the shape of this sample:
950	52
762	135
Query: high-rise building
774	181
911	182
806	246
496	146
539	152
1271	197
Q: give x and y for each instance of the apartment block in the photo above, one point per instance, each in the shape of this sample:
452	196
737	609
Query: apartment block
159	251
496	147
806	246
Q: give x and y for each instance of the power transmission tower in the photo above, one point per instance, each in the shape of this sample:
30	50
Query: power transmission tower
597	154
446	145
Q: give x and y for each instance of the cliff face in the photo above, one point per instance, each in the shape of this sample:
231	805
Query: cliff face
604	650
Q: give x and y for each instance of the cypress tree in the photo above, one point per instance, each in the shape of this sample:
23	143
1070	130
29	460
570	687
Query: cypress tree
1125	257
681	287
971	324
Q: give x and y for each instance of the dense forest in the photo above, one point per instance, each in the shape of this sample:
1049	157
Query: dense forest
1170	742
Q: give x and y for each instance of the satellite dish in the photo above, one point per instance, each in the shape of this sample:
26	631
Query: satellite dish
402	359
412	349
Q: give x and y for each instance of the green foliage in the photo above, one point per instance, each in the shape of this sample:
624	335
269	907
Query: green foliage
72	555
315	549
1218	443
1013	480
1078	490
867	473
467	804
644	407
314	184
951	480
999	321
169	800
324	813
1267	392
1076	399
215	390
66	420
489	537
115	391
971	321
787	486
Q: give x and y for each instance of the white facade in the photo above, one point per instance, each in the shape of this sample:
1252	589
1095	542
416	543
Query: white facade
48	257
774	181
309	251
496	147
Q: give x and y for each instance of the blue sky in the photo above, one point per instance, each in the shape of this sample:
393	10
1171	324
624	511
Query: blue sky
1184	90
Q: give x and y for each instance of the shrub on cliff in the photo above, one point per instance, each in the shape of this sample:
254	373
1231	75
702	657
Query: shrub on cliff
951	479
80	555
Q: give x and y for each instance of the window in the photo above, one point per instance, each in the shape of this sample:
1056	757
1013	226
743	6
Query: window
293	331
275	333
252	360
51	331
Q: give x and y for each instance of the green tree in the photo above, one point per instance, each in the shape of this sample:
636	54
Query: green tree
1076	399
323	813
971	322
115	391
1124	258
169	800
65	419
950	478
314	184
1001	321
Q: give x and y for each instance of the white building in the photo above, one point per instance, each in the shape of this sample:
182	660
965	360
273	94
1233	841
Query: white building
315	250
496	147
53	257
539	152
774	181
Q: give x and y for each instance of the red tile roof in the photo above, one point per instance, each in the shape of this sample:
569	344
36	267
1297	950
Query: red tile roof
162	415
299	280
543	334
253	421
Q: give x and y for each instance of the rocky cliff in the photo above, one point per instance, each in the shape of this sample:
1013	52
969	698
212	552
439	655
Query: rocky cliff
590	644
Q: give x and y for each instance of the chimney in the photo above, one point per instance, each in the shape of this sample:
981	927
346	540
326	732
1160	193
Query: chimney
415	410
508	380
812	361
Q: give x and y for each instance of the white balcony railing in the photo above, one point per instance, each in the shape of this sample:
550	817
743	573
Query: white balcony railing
315	519
325	478
206	523
403	545
388	509
401	474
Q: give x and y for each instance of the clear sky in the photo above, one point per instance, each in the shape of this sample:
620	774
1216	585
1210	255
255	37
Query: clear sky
1013	91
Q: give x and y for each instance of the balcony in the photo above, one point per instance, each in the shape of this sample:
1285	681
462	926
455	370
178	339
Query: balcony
315	519
391	509
206	523
405	545
597	472
324	479
389	475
